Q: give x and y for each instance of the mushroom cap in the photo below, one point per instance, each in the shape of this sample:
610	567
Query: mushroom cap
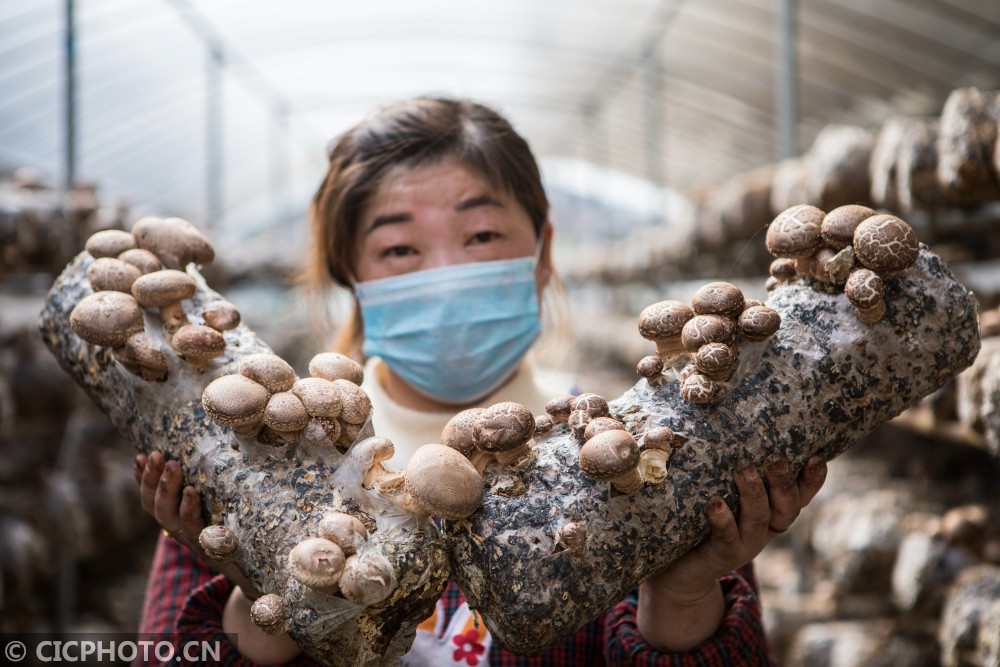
839	224
142	352
320	397
141	259
285	413
560	407
344	530
368	578
594	405
649	366
718	298
573	534
840	265
106	318
270	371
578	420
716	360
442	482
771	283
608	455
600	425
697	388
199	247
160	288
109	243
544	424
704	329
818	265
873	314
885	244
758	322
235	400
663	319
503	426
268	613
783	269
356	404
221	316
459	432
164	239
662	437
112	274
316	562
795	233
864	288
335	366
196	342
218	542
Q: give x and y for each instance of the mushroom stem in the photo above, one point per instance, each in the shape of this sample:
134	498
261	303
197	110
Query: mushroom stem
630	482
173	317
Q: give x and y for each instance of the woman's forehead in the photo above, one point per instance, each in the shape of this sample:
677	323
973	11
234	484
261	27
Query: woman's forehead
447	175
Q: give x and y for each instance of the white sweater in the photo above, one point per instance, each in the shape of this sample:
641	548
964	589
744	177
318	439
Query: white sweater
408	429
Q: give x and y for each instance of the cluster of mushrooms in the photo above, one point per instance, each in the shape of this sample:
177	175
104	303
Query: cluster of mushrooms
336	562
706	335
266	399
502	435
141	270
851	248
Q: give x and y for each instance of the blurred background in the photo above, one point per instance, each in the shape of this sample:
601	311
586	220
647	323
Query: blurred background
669	133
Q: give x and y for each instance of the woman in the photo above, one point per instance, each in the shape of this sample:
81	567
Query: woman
433	214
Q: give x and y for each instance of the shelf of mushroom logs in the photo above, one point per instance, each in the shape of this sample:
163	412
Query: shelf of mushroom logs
75	545
903	542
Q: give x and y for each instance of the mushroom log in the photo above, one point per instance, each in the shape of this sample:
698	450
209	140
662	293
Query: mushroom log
538	563
265	503
820	383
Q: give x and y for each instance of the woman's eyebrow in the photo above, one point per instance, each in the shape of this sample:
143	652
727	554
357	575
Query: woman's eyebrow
388	220
473	202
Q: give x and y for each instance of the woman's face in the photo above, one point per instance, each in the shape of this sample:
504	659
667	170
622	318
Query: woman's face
442	214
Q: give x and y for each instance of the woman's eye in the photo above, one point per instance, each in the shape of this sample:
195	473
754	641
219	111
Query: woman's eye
484	237
399	251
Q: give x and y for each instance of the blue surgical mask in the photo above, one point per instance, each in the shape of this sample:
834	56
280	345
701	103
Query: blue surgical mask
454	333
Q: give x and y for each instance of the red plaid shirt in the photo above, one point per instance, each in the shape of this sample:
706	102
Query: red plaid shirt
185	598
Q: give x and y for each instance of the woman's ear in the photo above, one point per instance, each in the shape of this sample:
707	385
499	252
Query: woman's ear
543	271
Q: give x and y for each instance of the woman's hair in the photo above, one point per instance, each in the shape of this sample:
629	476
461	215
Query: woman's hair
411	133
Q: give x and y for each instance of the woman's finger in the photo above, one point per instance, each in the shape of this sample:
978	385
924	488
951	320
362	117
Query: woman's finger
724	542
811	479
150	482
139	467
755	510
783	494
191	520
167	501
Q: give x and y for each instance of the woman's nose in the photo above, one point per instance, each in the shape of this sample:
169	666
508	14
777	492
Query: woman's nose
443	255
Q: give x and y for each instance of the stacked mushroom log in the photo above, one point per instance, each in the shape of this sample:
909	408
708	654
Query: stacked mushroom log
946	163
815	387
978	389
274	501
552	545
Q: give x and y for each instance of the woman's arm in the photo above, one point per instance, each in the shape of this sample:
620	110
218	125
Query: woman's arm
683	606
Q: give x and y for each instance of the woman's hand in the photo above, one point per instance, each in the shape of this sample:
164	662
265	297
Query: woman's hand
682	606
177	508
